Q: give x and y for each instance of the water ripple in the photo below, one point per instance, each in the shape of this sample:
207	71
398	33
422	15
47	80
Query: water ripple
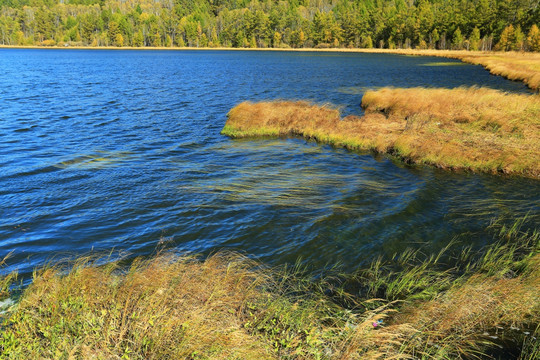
103	150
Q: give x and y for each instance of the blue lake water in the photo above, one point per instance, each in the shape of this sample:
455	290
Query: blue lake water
122	150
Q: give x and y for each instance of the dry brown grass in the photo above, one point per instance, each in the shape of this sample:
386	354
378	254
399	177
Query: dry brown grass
475	129
230	307
514	66
160	309
171	307
469	312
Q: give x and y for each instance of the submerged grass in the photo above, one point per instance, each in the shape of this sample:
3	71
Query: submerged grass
466	128
450	305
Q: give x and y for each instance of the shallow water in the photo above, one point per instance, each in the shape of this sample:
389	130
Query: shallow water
121	150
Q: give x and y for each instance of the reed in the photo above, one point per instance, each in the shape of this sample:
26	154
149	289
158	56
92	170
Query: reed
474	129
230	307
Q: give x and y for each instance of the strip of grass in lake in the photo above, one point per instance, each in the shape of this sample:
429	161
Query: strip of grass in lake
466	128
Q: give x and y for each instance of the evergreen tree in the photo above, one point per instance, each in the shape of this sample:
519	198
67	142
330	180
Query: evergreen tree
507	39
533	39
138	39
457	39
474	39
519	39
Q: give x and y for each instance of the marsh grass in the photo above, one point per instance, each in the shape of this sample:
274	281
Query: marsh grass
447	305
479	296
7	281
466	128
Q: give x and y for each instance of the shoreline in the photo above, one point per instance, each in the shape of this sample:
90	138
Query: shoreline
304	49
230	306
450	54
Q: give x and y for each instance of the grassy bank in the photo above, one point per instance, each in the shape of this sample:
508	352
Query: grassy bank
474	129
230	307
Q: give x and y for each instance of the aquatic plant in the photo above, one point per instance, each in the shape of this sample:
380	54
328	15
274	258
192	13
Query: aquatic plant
466	128
459	303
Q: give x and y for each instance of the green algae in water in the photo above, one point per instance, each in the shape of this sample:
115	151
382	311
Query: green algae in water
356	90
444	63
99	160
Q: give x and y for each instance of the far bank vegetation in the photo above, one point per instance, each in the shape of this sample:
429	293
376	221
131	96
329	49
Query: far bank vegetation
475	129
393	24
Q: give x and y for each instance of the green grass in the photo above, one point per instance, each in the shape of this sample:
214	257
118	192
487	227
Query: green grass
230	307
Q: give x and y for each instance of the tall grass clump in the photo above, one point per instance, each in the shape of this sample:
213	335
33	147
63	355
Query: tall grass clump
6	281
456	304
483	302
171	307
466	128
160	308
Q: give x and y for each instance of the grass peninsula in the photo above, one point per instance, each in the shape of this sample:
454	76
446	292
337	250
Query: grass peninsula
461	129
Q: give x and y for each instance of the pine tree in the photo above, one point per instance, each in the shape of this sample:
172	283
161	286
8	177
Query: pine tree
301	38
119	40
474	39
113	31
276	40
138	39
533	39
519	39
367	42
457	39
506	39
434	38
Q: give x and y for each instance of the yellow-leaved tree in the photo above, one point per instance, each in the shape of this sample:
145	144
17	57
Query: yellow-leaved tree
507	39
533	39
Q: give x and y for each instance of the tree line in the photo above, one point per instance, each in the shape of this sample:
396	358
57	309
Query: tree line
434	24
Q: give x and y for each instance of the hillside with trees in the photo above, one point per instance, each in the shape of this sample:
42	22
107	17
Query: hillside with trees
422	24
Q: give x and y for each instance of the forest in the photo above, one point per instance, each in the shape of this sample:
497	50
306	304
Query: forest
420	24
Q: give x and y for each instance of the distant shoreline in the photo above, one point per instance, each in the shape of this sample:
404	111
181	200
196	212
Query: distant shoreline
426	52
517	66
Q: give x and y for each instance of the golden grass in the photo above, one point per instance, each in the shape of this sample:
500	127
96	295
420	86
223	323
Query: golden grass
467	128
474	309
471	313
230	307
158	309
171	307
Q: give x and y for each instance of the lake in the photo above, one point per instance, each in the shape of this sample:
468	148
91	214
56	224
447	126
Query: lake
103	150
